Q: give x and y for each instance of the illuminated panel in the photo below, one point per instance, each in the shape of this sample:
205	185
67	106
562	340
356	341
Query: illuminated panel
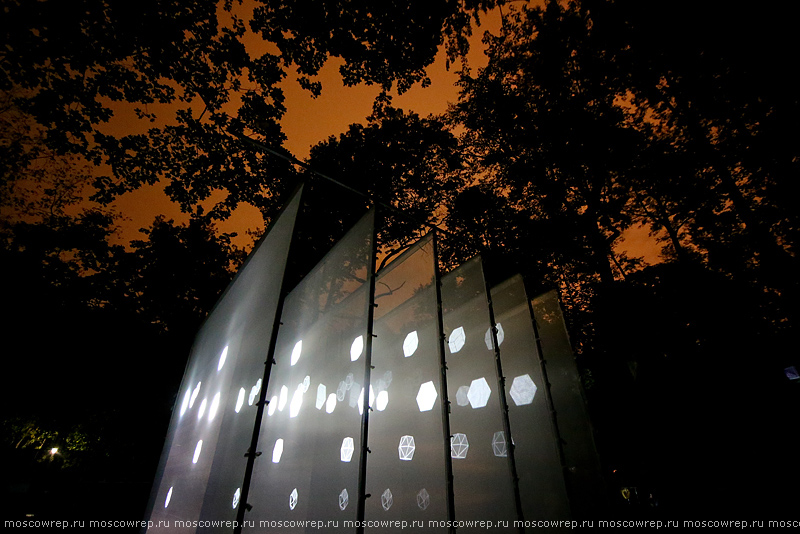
482	482
328	313
199	473
542	490
406	468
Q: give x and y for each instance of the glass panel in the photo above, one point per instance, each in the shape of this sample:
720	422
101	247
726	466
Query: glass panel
584	481
482	480
406	468
310	433
228	355
541	482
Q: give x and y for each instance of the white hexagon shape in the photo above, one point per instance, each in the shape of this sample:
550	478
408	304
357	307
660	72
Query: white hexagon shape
349	381
346	452
222	358
406	448
341	391
461	396
293	499
277	451
322	394
298	348
478	393
212	410
410	344
382	400
423	499
356	348
500	337
344	499
426	396
330	404
457	339
523	390
459	445
386	499
240	400
273	405
297	401
499	446
236	496
283	398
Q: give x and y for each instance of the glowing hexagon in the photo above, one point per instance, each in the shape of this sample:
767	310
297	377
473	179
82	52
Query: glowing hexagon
330	404
356	348
478	393
222	358
386	499
406	448
169	497
457	339
240	400
500	337
382	400
461	396
297	401
306	383
346	453
423	499
194	394
523	390
341	391
344	498
254	391
298	348
273	405
197	450
321	396
202	409
410	344
293	499
459	446
236	496
212	411
283	398
426	396
499	446
185	403
277	451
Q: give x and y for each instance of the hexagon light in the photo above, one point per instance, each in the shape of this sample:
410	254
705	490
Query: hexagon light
406	448
410	344
478	393
523	390
346	452
426	396
457	339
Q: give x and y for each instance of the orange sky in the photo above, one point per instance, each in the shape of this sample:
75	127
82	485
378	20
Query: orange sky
311	120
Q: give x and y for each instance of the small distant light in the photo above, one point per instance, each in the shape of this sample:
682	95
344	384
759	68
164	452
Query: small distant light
197	450
240	399
194	394
212	411
222	358
356	348
277	451
273	405
293	499
186	399
284	397
202	409
298	348
236	496
330	404
54	450
169	497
